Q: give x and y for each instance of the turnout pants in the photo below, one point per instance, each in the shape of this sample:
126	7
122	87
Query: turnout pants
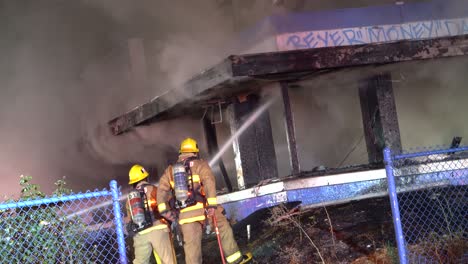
193	232
157	240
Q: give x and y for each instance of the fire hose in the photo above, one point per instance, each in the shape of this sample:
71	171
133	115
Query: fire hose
215	223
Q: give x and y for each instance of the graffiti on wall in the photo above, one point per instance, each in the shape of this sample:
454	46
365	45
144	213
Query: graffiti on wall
372	34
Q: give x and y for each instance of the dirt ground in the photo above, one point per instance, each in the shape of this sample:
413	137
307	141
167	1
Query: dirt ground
362	232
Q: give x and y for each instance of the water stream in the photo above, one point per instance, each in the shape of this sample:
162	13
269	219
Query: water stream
250	120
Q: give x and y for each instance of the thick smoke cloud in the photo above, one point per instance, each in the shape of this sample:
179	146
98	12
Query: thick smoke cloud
178	44
62	77
44	47
429	97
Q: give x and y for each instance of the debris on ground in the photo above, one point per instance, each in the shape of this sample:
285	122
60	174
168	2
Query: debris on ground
358	232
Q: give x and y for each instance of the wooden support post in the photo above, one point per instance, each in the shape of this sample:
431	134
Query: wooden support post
290	131
379	116
254	149
213	148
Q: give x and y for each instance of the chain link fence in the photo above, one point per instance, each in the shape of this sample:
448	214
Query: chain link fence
78	228
431	206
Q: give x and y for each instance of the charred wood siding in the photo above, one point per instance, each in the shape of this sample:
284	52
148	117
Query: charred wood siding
209	79
312	60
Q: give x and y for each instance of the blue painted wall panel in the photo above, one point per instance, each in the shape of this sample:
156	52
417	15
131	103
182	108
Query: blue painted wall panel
368	16
331	193
340	18
354	17
437	9
241	209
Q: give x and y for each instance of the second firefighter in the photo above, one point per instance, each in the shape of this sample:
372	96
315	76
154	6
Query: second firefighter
151	232
192	183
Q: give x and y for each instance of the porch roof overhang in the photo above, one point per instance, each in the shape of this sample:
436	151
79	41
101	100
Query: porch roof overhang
238	74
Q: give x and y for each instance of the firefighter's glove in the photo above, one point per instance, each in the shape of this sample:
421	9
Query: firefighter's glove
210	211
131	227
169	215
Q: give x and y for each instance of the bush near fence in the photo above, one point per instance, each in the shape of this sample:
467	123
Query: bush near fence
62	228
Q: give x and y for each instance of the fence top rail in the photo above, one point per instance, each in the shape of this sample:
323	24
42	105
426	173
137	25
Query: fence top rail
54	199
427	153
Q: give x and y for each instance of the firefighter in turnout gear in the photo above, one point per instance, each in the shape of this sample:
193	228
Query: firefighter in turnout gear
151	230
192	185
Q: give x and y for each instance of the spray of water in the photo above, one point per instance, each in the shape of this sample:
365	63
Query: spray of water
250	120
94	207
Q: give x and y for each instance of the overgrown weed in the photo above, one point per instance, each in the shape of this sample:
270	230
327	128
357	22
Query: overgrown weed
282	217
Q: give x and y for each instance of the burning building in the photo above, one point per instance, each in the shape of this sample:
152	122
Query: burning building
332	91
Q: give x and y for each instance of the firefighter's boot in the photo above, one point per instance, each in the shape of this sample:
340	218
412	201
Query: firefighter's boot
246	258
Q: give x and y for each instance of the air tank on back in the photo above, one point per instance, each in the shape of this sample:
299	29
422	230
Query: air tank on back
136	208
180	182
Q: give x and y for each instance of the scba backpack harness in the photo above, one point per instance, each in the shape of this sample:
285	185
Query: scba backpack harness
141	213
184	192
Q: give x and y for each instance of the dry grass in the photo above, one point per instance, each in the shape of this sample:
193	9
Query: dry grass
281	216
380	256
293	254
332	233
326	250
444	249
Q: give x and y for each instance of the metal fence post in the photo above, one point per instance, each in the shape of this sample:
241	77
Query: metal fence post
395	207
118	221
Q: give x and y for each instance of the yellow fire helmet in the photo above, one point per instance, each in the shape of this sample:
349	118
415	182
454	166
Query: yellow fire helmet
137	173
189	145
